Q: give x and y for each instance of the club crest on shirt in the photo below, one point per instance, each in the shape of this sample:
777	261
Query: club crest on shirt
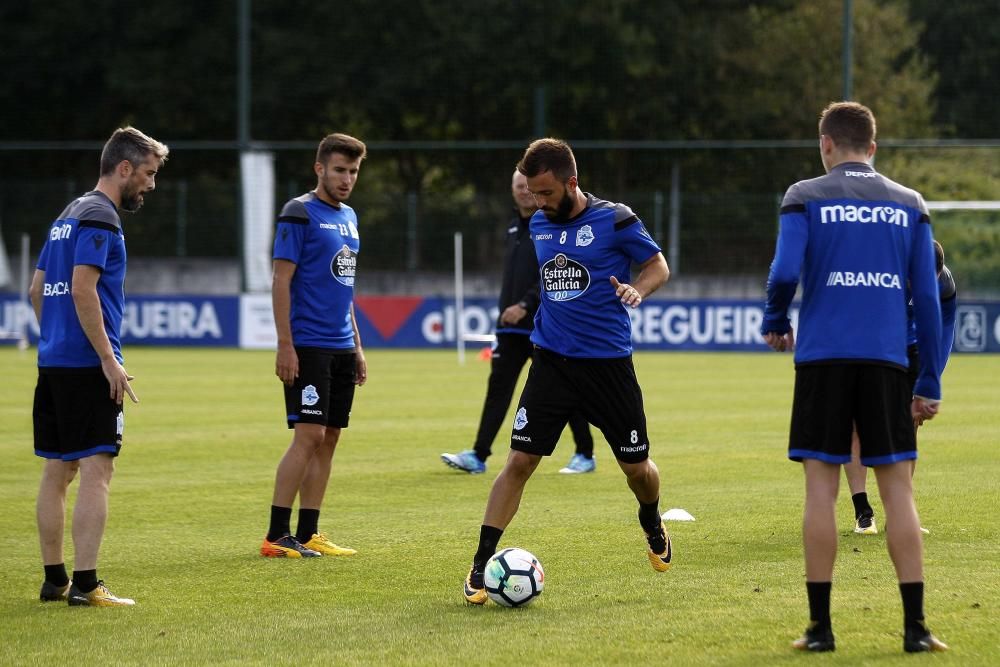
584	236
343	266
520	419
309	395
564	279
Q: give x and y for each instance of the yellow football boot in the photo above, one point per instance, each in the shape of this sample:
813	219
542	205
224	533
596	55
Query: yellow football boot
659	552
474	588
99	597
321	543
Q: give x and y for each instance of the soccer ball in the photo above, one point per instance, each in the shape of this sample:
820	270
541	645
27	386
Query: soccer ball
513	577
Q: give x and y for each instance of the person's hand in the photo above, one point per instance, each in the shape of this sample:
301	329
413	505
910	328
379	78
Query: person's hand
118	379
921	410
360	368
513	314
629	295
286	364
780	342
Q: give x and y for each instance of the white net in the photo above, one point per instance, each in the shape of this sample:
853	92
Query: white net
969	232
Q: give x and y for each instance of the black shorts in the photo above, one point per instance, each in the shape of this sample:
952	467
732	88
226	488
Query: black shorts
74	415
604	391
324	390
831	399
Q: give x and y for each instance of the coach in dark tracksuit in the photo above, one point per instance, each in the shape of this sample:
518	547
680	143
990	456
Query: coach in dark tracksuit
518	304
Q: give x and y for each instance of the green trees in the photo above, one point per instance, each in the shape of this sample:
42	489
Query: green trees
492	71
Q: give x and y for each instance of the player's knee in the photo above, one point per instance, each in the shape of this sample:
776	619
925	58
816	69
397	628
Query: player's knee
309	436
638	471
521	465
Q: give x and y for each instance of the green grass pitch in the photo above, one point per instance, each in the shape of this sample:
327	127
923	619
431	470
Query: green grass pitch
189	506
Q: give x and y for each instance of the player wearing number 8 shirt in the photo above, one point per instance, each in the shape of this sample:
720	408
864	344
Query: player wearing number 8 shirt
583	351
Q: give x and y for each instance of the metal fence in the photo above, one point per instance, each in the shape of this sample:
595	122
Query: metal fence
713	209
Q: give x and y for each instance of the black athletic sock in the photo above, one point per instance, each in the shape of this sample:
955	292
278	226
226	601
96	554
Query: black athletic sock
85	580
649	516
913	604
56	574
819	602
308	525
861	505
281	518
489	538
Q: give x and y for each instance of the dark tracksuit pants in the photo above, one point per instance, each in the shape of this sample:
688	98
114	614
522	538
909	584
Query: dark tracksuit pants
509	357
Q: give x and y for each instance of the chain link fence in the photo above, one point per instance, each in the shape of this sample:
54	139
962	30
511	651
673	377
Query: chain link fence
713	212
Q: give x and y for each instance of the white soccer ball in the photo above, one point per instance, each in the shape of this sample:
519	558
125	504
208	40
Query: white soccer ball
513	577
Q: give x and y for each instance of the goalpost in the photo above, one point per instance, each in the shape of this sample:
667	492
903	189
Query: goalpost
969	231
23	314
461	336
963	205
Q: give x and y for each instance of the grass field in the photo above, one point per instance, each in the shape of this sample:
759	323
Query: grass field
189	505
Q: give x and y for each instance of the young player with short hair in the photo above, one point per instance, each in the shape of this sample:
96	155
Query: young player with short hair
856	239
319	358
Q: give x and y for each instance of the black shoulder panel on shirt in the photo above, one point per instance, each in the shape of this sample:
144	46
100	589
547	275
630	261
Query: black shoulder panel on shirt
93	207
295	209
622	224
924	218
793	208
100	224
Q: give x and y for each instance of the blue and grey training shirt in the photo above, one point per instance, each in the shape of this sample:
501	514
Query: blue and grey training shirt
87	232
322	241
857	239
580	315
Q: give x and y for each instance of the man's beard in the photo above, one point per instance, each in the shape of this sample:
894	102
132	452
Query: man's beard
131	201
562	210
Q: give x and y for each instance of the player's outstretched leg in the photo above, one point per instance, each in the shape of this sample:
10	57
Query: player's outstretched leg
505	497
475	589
659	552
644	480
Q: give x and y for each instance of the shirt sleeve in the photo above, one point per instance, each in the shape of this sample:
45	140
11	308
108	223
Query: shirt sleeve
93	243
783	278
926	310
634	239
290	232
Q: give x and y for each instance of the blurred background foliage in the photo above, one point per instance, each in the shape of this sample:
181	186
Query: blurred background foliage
620	72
